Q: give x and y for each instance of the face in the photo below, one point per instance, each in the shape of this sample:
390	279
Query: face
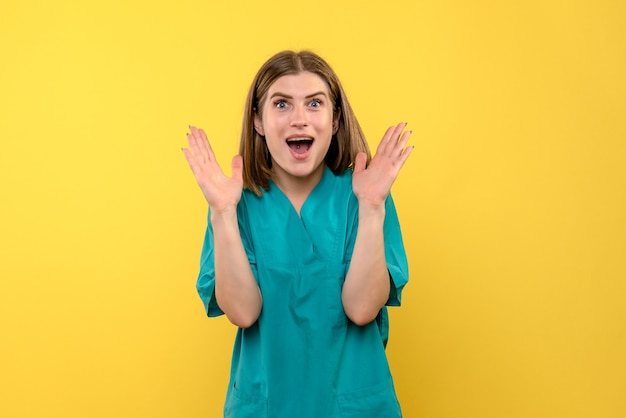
298	124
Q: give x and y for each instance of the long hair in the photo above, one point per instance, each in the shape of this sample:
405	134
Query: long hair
345	144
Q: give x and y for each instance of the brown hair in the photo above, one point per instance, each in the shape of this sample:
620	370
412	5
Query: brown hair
345	144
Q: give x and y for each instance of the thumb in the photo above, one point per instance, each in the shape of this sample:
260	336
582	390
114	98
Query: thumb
237	167
359	162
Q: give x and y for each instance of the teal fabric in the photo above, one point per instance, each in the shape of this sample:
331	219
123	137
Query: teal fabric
303	357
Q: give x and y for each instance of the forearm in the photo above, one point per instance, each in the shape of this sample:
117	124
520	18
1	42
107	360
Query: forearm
366	288
236	290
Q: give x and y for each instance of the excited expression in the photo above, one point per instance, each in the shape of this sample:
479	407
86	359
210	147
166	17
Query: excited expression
298	123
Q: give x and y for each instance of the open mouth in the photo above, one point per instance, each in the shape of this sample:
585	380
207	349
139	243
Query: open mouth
300	145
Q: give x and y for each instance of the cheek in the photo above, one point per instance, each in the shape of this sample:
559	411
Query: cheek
273	130
327	122
274	121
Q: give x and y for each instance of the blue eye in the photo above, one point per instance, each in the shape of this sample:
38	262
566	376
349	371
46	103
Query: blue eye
280	104
315	103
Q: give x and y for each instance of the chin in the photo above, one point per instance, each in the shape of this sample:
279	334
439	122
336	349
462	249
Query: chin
305	170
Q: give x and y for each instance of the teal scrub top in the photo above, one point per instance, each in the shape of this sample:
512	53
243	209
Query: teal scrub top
303	357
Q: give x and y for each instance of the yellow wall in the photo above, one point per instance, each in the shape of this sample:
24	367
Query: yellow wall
513	203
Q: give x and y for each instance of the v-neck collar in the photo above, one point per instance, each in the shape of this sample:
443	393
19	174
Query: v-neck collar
326	176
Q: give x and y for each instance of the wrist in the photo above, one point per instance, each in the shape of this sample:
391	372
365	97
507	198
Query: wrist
225	214
371	212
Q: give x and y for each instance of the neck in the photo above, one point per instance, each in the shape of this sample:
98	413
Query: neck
295	188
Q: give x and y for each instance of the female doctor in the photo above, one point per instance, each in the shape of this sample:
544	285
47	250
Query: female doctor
303	248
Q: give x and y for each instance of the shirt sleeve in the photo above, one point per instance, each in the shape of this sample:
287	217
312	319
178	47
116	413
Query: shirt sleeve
205	284
395	254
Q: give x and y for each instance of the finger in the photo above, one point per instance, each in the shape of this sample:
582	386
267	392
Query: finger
404	156
397	132
195	147
199	138
188	156
192	161
194	132
400	145
203	147
237	168
206	145
359	162
391	138
382	145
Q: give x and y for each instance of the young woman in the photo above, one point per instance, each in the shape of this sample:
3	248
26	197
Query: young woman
303	248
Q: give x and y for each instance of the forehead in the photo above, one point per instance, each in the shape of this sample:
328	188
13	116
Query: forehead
301	84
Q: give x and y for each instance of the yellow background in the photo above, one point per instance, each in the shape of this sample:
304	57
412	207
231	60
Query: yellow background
513	204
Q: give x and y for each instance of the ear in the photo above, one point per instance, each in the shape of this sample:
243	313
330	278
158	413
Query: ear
258	125
336	117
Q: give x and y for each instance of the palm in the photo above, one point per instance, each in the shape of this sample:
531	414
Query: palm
219	190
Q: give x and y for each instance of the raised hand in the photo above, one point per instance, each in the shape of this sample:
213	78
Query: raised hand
220	191
371	185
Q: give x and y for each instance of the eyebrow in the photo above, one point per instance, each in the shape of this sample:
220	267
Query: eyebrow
286	96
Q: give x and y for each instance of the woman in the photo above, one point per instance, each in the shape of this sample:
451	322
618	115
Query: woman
303	248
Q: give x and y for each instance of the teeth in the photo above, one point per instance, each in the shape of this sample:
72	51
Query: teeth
299	139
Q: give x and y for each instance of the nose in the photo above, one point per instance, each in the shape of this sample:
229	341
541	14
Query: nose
299	117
